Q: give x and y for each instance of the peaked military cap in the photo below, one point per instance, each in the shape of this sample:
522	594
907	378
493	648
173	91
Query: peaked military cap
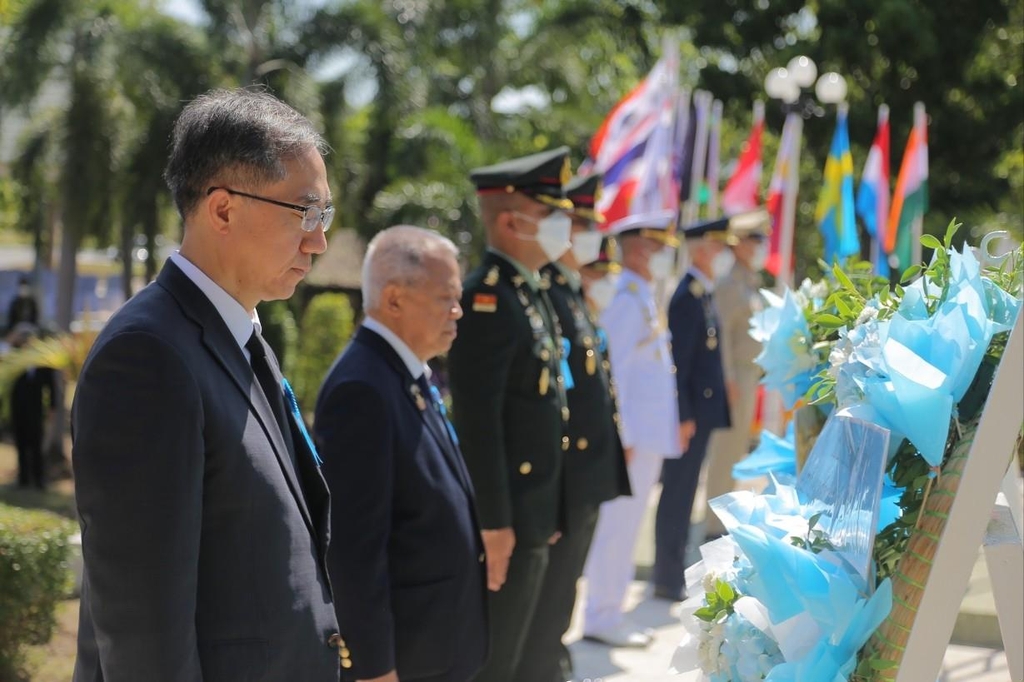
715	228
540	176
659	225
607	257
584	191
755	224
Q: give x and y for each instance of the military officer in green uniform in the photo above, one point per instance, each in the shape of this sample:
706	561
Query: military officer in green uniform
508	391
595	467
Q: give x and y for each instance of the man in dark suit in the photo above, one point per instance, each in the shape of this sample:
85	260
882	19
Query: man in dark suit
33	397
508	391
595	466
407	562
205	519
702	401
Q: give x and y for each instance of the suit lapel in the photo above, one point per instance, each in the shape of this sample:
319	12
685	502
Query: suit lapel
217	340
422	404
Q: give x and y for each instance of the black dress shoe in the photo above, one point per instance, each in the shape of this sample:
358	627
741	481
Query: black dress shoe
669	595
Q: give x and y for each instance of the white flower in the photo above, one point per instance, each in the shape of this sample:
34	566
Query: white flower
869	313
708	582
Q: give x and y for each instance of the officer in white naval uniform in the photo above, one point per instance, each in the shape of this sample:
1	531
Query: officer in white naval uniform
641	367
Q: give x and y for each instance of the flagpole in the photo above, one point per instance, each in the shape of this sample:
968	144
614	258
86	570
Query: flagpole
789	195
917	226
700	148
714	157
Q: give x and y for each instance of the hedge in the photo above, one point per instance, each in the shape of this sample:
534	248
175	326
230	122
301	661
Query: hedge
34	576
325	329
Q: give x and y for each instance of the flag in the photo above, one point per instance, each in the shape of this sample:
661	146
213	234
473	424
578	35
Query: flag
835	212
743	191
711	177
683	143
780	246
873	193
633	148
910	201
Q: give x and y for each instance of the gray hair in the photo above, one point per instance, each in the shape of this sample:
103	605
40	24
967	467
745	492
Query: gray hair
398	255
241	136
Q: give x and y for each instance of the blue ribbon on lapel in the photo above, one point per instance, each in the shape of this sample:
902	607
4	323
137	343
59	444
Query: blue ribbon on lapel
293	403
436	395
566	372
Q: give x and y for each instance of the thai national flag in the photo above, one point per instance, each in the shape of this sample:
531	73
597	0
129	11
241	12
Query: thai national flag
629	146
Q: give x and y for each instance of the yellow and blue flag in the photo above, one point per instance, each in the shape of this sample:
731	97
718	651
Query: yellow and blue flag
835	212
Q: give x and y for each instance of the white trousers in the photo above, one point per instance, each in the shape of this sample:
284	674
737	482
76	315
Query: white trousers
609	568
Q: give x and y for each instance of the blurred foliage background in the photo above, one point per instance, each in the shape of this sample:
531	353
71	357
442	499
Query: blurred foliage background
413	93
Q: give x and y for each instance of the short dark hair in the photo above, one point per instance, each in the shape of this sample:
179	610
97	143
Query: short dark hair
239	136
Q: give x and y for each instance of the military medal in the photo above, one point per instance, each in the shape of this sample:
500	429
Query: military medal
712	342
545	380
591	361
421	403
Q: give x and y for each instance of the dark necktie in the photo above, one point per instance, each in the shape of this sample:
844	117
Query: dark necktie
272	388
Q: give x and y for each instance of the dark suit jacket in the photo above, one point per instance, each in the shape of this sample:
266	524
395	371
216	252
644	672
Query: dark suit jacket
407	557
595	466
696	338
509	402
204	541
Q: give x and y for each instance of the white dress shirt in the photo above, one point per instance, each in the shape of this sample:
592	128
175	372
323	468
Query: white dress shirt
415	366
240	322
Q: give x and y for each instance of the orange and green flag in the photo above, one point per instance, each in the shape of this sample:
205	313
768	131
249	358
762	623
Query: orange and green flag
910	201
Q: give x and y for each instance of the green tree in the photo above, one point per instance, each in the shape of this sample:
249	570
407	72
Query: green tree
325	329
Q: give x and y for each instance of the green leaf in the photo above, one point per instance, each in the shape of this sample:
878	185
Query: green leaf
908	274
829	321
813	521
842	278
726	592
844	308
950	231
706	613
882	664
931	242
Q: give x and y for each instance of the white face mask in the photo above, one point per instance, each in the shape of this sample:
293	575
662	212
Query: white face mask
723	263
586	247
760	257
553	233
602	291
661	263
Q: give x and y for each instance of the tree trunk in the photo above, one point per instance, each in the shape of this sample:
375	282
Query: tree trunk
67	276
126	259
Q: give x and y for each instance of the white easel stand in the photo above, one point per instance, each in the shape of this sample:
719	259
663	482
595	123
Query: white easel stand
966	531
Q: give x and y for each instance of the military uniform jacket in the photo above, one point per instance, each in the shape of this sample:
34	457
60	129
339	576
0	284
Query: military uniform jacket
736	299
641	365
595	467
696	348
509	403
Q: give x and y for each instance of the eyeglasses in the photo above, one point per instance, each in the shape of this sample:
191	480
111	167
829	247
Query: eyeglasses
311	215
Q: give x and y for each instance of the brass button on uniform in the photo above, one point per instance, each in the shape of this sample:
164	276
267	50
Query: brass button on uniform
565	442
672	370
545	355
565	414
346	663
482	558
708	393
525	468
335	641
582	444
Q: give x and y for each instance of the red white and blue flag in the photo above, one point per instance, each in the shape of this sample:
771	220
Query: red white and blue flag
873	193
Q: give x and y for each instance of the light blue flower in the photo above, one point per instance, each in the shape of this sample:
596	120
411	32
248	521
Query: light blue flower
786	355
773	455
